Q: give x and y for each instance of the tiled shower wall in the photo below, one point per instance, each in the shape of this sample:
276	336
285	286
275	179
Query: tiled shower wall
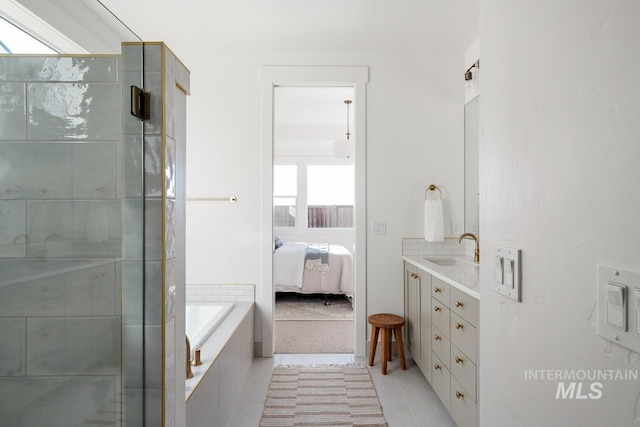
167	79
60	198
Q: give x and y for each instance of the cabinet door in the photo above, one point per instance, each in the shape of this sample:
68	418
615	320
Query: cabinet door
412	310
463	408
425	322
441	381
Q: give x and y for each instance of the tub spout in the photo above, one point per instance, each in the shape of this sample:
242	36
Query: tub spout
189	373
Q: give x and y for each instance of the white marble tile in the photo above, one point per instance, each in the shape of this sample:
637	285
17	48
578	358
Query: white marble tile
153	293
132	180
169	62
170	229
169	373
170	168
153	229
79	345
132	356
91	292
132	56
59	68
132	296
35	171
13	119
65	111
169	107
183	77
170	288
153	173
49	228
13	228
153	357
11	300
153	56
12	346
97	228
36	401
153	84
94	170
132	229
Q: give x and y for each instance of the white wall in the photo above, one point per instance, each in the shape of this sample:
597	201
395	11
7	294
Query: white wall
414	138
559	171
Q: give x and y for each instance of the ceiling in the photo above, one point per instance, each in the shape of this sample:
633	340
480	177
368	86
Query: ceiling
302	24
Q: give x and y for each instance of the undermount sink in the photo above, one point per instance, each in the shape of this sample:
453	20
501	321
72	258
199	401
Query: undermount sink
450	262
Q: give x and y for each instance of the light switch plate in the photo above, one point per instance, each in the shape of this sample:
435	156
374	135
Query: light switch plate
511	279
619	306
379	227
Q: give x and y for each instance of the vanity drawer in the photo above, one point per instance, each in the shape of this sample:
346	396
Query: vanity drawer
462	407
441	381
464	370
464	336
440	345
464	305
440	316
440	290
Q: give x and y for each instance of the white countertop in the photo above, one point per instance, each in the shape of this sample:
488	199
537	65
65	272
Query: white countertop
464	275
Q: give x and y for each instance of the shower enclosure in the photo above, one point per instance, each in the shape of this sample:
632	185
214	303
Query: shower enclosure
72	241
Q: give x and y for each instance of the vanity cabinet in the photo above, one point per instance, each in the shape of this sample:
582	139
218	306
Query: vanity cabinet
418	318
442	331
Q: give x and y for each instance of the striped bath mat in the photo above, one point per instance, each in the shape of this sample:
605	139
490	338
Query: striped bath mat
325	396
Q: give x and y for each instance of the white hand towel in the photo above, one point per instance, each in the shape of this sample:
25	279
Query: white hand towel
433	222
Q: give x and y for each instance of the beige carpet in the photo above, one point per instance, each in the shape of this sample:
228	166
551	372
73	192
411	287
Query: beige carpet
304	324
341	396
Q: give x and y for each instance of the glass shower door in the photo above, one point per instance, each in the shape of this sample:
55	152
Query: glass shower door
71	235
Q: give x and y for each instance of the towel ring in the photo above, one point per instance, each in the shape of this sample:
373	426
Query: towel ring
432	188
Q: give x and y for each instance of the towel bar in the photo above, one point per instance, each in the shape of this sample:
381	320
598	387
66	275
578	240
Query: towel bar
231	199
432	187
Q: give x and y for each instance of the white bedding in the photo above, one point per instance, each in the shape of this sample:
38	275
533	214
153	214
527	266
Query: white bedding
291	276
289	264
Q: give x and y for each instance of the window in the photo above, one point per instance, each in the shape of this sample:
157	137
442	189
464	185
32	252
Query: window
330	196
325	195
285	195
14	40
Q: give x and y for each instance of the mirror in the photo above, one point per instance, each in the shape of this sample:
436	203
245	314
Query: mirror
471	166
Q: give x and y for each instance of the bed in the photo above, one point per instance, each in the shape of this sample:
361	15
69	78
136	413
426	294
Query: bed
313	268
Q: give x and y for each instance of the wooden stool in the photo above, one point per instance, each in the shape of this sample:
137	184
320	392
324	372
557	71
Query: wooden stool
387	322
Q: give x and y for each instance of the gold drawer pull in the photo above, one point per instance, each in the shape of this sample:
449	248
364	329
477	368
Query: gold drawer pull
459	359
413	275
417	277
459	304
436	290
437	308
458	325
436	366
459	394
437	337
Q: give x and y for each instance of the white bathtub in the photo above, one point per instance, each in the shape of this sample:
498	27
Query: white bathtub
202	319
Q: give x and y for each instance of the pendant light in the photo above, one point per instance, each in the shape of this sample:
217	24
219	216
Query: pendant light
344	148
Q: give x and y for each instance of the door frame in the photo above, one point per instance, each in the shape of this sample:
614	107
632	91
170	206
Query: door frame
272	76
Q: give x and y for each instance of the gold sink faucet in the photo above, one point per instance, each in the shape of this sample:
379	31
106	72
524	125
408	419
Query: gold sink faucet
476	254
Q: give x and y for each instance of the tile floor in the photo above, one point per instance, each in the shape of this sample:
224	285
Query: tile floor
406	397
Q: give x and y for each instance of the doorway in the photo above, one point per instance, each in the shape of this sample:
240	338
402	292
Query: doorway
353	79
314	203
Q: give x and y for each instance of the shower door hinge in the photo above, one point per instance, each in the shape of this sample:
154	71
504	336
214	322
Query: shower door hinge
140	103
